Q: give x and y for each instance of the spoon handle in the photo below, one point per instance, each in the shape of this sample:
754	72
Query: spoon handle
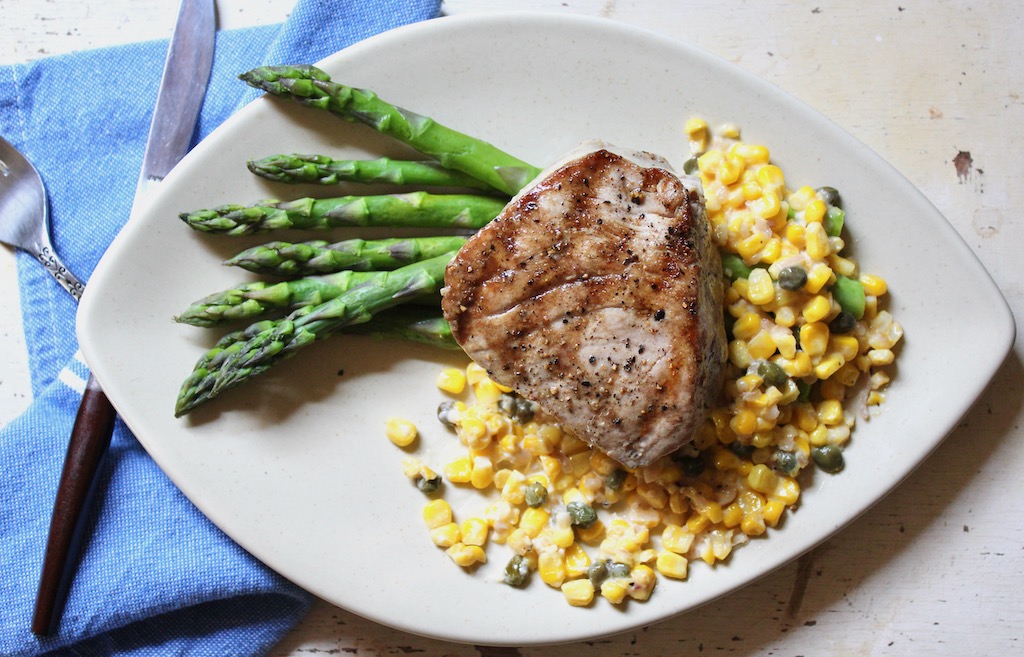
90	438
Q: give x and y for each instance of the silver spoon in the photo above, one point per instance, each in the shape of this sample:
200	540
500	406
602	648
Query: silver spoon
25	224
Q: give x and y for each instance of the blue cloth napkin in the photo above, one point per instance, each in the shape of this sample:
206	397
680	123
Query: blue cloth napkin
156	577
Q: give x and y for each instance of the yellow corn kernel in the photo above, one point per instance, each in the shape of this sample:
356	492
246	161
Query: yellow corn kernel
697	523
800	198
732	515
842	266
474	531
762	479
814	212
576	561
752	153
533	520
787	491
819	436
614	590
751	190
739	354
770	176
814	338
724	459
671	564
603	464
560	535
400	432
475	374
748	247
643	582
818	245
817	308
676	538
772	512
590	534
874	285
452	380
482	474
459	470
446	535
578	592
881	357
551	567
796	234
730	169
846	346
437	513
487	391
697	132
753	524
762	346
830	412
466	555
818	275
746	326
828	366
654	495
744	422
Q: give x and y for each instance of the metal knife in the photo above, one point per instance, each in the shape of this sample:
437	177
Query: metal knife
182	88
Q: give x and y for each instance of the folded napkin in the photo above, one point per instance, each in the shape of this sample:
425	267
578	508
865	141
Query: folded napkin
156	577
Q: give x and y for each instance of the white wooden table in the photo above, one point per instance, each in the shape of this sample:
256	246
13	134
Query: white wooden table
938	567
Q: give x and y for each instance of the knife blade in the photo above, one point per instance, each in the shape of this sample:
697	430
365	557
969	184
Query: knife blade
182	88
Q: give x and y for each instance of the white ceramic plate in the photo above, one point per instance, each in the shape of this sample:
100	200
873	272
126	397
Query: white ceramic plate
295	466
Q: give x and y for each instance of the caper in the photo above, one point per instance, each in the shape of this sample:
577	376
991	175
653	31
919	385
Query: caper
447	414
428	485
516	407
582	514
772	374
741	450
844	322
517	571
535	494
690	166
597	573
830	195
828	457
792	278
616	569
614	479
786	462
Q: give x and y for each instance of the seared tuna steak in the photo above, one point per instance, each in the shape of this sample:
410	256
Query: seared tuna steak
597	294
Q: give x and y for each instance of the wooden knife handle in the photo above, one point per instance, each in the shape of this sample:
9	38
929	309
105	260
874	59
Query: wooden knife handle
90	439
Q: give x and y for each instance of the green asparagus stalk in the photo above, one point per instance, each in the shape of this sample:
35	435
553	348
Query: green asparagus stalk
325	170
415	209
253	299
422	325
228	365
290	259
312	87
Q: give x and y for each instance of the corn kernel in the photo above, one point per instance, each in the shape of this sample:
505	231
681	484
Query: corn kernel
828	366
475	374
446	535
643	582
846	346
762	346
452	380
814	212
466	555
744	422
814	338
487	391
830	412
400	432
819	436
459	470
753	524
551	567
576	561
801	197
770	176
732	515
533	520
672	565
747	326
818	245
578	592
816	309
880	357
762	479
474	531
676	538
437	513
748	247
787	491
773	512
874	285
817	277
614	590
482	474
590	534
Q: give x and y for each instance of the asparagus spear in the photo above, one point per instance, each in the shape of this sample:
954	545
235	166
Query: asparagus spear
421	325
259	348
325	170
256	298
289	259
419	209
310	86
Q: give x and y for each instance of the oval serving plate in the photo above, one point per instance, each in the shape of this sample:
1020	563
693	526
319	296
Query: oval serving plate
294	465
